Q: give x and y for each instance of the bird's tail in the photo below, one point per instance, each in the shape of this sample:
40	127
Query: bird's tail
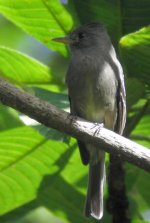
94	201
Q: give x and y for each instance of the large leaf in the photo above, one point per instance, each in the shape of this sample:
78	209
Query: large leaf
34	169
141	133
9	118
138	191
135	49
21	68
57	99
6	28
41	18
132	84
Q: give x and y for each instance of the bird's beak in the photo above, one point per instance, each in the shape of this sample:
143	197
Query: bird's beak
64	40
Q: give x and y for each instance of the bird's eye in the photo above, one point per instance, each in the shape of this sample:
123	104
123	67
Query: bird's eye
81	35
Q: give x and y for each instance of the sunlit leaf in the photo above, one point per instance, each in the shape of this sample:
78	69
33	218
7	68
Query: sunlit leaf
21	68
135	49
32	168
141	134
9	118
6	28
43	19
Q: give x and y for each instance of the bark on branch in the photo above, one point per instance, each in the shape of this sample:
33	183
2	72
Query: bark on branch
53	117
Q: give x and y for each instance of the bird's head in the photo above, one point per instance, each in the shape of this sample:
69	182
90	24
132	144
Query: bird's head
89	36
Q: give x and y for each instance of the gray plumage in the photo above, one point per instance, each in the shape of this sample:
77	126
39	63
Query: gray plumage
96	91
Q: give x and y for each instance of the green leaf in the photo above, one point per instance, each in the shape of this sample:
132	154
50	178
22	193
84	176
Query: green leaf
138	192
132	84
9	118
143	126
6	28
34	169
21	68
135	49
57	99
43	19
141	133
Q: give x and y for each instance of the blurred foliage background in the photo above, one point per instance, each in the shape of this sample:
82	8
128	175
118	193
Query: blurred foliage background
42	179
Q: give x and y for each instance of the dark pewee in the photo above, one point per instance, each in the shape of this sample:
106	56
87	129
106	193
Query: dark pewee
96	89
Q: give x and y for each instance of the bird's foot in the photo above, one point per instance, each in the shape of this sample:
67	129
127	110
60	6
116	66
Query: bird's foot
98	127
72	118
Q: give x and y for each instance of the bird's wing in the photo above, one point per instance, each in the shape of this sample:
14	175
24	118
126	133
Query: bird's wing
82	148
121	116
121	93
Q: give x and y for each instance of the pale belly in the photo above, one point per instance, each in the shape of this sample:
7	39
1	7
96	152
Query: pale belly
94	96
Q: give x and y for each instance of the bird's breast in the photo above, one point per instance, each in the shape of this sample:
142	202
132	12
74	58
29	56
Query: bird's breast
92	89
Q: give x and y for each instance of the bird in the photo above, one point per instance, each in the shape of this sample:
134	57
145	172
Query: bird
96	90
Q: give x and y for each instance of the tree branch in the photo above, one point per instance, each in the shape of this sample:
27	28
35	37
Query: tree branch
53	117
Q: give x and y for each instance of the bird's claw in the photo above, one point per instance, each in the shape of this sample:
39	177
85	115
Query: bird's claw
98	127
71	117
